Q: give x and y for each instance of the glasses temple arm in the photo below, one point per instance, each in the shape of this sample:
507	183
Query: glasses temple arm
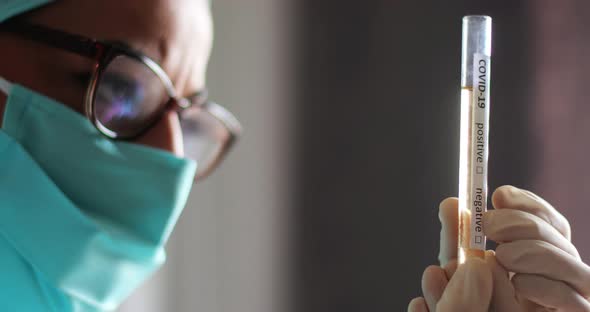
73	43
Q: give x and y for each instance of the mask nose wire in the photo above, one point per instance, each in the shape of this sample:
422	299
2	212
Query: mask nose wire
5	86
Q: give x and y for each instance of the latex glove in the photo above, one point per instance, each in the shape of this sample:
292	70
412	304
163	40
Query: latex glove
534	243
503	293
469	289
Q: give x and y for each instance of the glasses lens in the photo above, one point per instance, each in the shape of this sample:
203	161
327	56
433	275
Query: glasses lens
129	97
205	139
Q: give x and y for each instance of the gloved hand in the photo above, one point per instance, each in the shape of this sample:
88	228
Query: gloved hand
534	244
469	289
443	290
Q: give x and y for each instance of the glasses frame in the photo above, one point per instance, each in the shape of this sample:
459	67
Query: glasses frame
103	53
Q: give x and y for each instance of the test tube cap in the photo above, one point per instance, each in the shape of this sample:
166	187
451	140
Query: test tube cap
477	38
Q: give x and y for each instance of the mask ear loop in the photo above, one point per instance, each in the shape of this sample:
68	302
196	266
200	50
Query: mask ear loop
5	86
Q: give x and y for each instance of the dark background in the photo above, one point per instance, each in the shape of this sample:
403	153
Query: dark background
378	103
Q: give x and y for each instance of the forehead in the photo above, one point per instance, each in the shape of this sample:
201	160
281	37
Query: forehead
170	31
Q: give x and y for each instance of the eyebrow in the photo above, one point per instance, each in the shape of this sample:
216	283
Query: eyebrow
129	47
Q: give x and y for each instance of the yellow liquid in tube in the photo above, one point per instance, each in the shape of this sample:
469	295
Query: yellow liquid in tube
465	178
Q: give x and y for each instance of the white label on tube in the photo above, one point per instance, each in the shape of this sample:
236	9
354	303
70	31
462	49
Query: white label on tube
479	152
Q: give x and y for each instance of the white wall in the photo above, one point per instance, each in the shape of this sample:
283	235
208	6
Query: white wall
228	250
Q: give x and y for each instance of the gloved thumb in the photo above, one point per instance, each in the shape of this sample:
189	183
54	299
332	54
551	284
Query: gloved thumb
470	288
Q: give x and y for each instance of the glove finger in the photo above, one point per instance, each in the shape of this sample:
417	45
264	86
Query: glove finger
503	294
527	305
418	305
448	214
510	197
470	289
549	293
508	225
450	269
434	282
541	258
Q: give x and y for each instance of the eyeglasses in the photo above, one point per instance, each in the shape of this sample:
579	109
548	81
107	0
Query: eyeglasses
128	93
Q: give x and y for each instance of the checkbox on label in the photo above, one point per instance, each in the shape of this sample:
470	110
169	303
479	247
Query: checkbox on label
478	239
479	170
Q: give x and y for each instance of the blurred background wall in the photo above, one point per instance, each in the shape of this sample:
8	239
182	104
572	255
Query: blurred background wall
351	109
560	117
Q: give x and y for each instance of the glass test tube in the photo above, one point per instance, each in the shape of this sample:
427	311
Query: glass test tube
475	112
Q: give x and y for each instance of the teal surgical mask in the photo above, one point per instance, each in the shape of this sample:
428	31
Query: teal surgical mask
88	215
10	8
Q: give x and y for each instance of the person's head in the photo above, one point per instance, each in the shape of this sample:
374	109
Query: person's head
177	34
